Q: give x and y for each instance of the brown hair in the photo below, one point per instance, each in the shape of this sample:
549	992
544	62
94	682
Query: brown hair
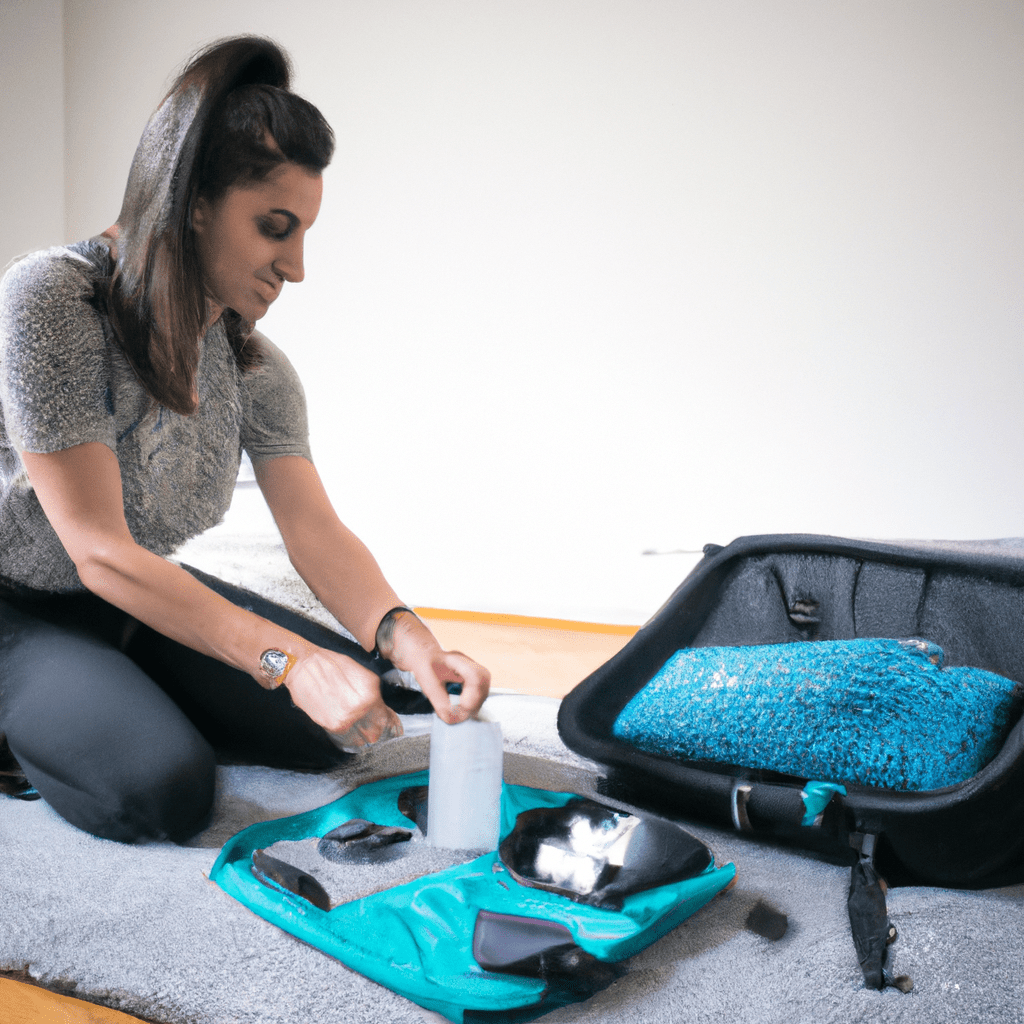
229	119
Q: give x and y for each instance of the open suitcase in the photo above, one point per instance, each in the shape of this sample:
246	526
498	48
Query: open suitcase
968	598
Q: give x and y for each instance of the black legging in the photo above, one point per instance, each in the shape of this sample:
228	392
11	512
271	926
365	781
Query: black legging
119	728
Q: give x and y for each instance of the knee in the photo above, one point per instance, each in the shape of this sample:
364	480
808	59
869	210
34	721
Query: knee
168	797
165	794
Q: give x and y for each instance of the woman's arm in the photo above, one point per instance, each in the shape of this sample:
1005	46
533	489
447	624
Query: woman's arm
346	579
80	491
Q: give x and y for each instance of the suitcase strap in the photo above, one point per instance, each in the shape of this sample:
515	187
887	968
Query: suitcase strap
785	811
873	932
763	807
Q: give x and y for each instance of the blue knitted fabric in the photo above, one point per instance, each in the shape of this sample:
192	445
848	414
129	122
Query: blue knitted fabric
881	713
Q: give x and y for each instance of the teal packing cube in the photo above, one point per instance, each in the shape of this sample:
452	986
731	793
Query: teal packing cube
419	938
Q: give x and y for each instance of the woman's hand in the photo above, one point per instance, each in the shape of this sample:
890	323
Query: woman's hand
412	647
80	491
343	697
347	580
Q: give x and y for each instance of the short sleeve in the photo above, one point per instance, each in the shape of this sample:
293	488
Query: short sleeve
275	421
54	378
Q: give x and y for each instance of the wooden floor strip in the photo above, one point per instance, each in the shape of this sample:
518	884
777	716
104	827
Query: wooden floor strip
28	1004
531	621
527	657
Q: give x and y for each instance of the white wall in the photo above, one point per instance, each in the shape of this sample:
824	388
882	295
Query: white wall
598	276
31	126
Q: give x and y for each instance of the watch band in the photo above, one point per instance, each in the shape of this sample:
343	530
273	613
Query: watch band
385	631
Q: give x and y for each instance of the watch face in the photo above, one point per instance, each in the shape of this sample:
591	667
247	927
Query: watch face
274	663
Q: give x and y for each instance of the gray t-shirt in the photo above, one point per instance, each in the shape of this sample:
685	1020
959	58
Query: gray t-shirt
63	382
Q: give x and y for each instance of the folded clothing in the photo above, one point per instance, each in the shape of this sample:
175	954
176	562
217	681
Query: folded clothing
882	713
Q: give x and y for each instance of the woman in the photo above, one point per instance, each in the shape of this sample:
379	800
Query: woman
131	379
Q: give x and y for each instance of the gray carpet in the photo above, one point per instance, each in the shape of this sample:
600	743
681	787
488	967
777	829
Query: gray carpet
143	930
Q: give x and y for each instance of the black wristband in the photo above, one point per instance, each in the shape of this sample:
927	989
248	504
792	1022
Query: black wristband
385	628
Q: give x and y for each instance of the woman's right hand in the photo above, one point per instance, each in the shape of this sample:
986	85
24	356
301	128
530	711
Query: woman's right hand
343	697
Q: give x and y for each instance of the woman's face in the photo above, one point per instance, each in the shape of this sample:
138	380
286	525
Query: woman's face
250	240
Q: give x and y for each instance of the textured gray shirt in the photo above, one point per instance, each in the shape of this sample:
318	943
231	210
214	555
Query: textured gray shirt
63	382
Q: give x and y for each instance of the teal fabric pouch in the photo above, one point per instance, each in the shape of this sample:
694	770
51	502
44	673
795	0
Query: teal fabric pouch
417	938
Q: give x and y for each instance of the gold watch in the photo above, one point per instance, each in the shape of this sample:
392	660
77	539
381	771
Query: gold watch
275	664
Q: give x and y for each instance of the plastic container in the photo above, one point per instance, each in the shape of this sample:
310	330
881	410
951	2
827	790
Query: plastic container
464	797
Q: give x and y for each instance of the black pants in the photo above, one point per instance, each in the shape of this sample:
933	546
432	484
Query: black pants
119	728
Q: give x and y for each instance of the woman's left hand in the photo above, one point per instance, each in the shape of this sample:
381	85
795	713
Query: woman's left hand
342	697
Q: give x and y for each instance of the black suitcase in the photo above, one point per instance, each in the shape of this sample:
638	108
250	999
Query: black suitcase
966	597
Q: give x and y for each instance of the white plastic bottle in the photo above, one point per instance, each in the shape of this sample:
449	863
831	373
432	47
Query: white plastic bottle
464	796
